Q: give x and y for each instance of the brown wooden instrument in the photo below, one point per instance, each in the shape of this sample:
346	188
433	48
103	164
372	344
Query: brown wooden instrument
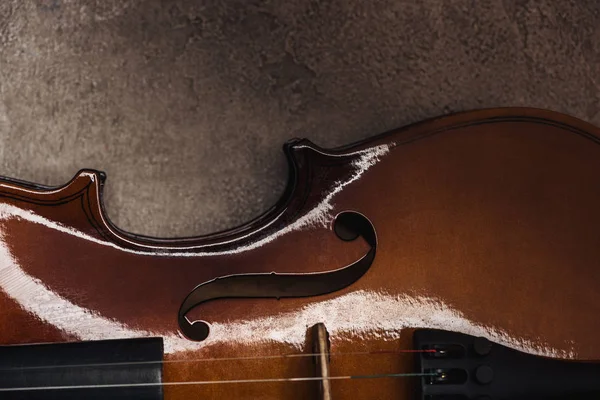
484	223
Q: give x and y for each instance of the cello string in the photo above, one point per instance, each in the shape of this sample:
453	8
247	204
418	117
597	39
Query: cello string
218	382
200	360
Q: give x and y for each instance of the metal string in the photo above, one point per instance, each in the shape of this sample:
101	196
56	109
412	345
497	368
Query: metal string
232	381
198	360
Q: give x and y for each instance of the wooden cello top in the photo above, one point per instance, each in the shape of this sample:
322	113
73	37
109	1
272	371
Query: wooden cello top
486	223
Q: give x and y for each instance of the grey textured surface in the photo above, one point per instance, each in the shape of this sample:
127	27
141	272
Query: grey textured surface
185	104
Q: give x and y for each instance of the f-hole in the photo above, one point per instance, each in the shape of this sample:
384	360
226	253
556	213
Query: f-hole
348	225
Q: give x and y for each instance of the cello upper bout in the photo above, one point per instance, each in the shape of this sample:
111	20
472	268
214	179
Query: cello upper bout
314	174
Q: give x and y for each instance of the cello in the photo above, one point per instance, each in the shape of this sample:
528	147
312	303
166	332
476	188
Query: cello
456	258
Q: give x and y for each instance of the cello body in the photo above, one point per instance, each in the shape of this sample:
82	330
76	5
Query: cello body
486	223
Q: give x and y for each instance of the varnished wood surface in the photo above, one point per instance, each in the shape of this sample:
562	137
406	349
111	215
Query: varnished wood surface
487	223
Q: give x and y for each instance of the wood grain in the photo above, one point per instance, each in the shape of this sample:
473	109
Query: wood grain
487	223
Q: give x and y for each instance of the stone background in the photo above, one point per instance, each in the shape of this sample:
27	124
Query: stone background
185	104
